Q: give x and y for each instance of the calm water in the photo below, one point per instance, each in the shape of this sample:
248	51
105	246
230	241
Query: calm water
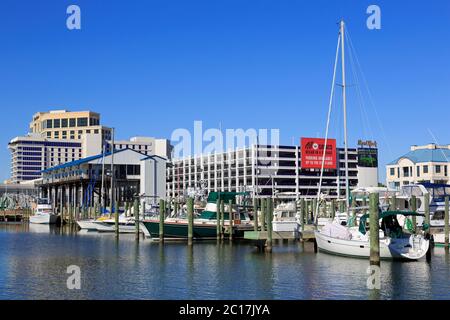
34	261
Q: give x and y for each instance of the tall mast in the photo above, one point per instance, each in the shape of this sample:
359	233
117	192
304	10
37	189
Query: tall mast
344	100
102	191
112	172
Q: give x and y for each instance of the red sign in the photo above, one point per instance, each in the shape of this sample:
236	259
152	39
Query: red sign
312	153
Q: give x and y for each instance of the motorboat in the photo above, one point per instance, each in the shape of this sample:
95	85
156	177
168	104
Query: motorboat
43	213
286	218
205	226
107	224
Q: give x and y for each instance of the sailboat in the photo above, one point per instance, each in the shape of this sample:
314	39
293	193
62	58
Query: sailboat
345	240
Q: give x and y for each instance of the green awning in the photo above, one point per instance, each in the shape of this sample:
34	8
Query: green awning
225	196
362	221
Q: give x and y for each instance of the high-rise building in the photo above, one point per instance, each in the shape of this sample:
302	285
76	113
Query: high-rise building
32	153
67	125
60	136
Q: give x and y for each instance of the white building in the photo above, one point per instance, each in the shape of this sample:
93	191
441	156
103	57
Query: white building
428	163
271	170
146	145
79	183
32	153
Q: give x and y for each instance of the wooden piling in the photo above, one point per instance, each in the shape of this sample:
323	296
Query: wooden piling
263	214
255	213
190	212
414	209
302	214
175	209
218	219
269	215
116	218
136	217
313	211
230	216
222	218
393	206
63	213
374	230
426	226
446	227
161	220
341	206
126	209
427	212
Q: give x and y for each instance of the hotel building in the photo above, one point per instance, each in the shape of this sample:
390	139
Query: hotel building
66	125
423	164
32	153
270	170
60	136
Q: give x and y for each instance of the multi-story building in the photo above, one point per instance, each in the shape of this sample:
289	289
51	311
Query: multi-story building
428	163
31	154
60	136
268	170
66	125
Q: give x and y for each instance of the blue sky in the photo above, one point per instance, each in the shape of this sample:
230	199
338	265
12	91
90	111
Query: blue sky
150	67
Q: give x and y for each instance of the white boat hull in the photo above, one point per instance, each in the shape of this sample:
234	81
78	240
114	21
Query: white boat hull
285	226
107	227
43	218
439	238
87	225
389	248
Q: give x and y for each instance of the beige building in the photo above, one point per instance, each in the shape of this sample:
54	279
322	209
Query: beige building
428	163
60	136
66	125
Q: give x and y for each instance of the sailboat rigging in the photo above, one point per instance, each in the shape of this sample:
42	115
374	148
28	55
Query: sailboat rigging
353	241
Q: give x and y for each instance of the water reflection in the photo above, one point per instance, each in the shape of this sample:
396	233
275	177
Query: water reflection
34	261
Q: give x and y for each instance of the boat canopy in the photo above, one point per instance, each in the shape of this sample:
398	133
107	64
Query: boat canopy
384	214
225	196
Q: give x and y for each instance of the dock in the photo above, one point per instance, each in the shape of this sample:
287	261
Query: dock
13	215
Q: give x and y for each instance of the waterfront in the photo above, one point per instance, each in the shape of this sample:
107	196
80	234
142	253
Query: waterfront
34	261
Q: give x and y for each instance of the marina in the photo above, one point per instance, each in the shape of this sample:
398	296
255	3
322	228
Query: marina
313	186
36	269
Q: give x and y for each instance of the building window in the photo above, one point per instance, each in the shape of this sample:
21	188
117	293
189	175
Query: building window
56	123
82	122
88	131
56	134
49	134
96	131
64	123
425	169
391	171
445	170
418	171
72	123
438	169
406	172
